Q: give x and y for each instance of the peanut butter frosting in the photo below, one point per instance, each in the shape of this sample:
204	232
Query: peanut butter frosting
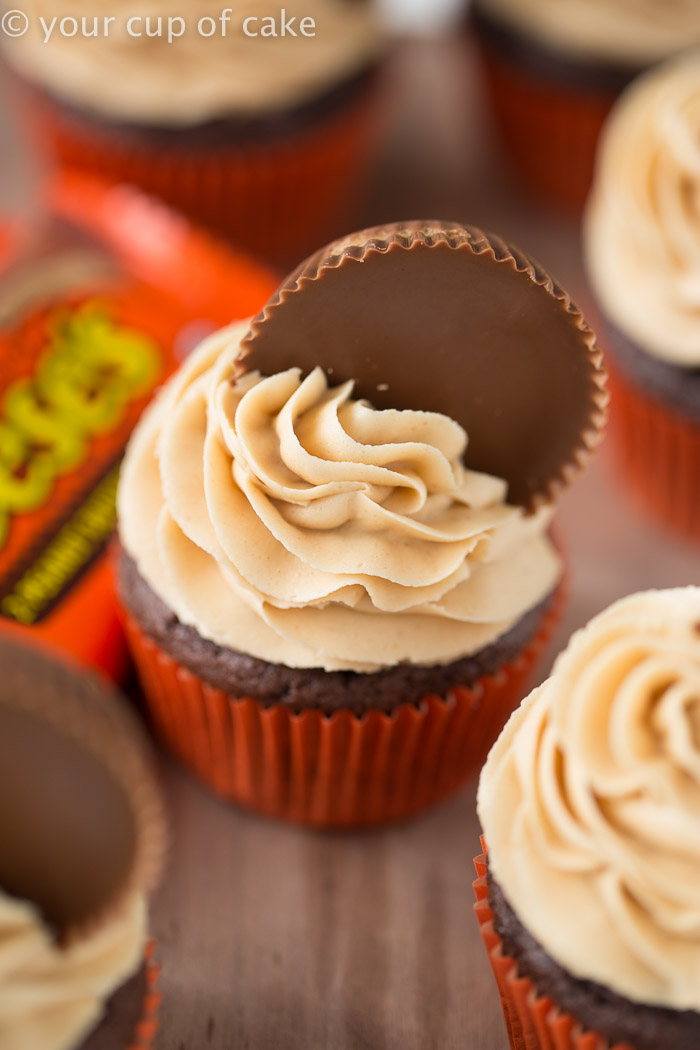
51	998
125	74
642	228
590	803
286	520
622	32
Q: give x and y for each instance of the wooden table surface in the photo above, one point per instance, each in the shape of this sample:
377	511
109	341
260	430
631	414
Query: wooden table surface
276	939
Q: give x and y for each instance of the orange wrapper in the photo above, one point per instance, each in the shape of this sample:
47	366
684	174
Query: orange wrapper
534	1022
337	771
276	199
658	454
549	131
109	291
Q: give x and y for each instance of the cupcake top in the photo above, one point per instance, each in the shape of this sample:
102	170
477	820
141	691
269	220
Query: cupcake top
590	803
51	996
642	227
623	32
146	68
291	517
284	518
82	834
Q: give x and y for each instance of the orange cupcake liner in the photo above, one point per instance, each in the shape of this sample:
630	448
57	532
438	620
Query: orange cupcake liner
658	454
147	1028
278	199
549	131
337	771
533	1021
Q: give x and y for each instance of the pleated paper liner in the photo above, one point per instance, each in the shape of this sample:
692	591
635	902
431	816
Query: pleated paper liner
657	450
337	771
144	1031
277	200
147	1028
548	131
534	1022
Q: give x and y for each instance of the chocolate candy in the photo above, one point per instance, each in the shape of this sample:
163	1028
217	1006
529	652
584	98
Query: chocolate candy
81	821
445	318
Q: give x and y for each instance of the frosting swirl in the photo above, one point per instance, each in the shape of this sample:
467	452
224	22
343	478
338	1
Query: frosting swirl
194	78
642	230
628	32
282	518
51	997
590	803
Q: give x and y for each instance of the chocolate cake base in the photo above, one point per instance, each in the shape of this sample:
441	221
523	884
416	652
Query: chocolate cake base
239	130
678	386
117	1029
534	57
597	1008
316	689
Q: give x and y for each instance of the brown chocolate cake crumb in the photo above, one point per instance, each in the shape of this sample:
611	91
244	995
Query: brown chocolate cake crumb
220	132
124	1010
678	386
301	689
597	1008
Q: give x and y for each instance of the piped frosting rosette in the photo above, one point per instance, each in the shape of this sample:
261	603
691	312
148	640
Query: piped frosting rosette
297	494
590	803
642	230
51	997
283	517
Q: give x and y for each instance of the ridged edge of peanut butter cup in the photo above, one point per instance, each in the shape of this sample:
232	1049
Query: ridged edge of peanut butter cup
82	820
395	306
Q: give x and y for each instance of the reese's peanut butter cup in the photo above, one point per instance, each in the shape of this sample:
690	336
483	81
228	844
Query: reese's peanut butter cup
99	300
445	318
81	816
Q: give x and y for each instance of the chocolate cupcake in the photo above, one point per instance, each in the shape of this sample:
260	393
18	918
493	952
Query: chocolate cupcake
263	137
589	899
642	247
334	594
552	70
82	834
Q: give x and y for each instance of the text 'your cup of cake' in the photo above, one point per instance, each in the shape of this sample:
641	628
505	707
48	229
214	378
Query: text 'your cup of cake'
263	137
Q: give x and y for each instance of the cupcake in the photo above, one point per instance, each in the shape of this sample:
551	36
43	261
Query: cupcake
589	899
552	69
337	567
82	834
642	248
263	137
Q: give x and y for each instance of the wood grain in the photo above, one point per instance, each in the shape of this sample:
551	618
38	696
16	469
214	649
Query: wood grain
277	939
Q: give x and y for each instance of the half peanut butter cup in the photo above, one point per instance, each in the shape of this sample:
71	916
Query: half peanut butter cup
81	817
445	318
